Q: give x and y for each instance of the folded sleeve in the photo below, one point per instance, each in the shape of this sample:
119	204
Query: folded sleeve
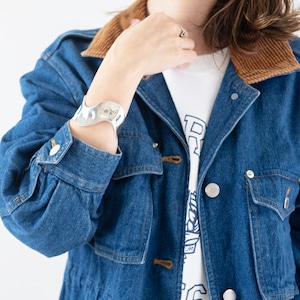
51	184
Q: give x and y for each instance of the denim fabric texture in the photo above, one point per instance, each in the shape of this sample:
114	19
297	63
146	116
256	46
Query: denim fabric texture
122	216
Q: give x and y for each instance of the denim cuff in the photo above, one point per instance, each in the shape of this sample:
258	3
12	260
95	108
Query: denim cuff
76	162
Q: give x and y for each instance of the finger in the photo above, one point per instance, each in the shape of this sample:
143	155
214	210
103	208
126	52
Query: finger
183	66
186	57
187	43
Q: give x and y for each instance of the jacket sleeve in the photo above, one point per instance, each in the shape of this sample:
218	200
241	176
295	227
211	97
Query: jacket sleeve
51	184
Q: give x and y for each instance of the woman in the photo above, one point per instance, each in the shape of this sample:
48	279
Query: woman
178	175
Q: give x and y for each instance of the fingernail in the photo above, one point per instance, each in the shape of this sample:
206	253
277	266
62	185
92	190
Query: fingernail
134	21
183	66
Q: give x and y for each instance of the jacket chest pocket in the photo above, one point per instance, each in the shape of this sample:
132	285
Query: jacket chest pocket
272	199
126	212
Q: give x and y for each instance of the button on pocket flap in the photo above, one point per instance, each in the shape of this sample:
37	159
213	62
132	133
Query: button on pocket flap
275	190
139	156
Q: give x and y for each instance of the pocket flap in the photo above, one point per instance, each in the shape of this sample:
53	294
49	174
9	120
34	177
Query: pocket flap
139	156
275	189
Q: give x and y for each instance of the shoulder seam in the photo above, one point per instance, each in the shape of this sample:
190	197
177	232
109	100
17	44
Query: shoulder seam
83	34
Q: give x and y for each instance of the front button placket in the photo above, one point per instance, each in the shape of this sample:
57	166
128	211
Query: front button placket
229	295
212	190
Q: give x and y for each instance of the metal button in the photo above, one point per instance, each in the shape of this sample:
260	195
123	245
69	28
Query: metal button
286	203
54	150
234	96
250	174
212	190
229	295
155	145
287	199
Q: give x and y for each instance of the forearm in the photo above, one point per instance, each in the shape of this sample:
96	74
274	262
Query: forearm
146	48
112	82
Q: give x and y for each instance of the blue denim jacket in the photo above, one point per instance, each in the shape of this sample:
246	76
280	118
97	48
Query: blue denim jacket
121	217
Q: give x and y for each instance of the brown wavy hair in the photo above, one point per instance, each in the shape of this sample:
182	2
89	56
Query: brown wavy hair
240	22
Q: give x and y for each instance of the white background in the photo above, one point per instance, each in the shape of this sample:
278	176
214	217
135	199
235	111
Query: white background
27	27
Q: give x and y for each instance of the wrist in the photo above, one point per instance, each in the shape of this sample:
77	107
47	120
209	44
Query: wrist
100	136
114	82
107	111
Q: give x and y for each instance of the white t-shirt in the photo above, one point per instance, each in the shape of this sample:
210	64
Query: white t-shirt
194	90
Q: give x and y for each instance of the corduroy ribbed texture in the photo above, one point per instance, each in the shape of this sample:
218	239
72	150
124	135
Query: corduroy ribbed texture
109	33
269	58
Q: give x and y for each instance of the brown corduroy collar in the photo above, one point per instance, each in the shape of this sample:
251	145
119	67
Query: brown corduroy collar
273	57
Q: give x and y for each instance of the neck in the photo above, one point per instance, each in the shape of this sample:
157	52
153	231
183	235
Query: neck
190	14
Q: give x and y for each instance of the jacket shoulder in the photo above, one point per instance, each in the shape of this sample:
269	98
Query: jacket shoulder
79	39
